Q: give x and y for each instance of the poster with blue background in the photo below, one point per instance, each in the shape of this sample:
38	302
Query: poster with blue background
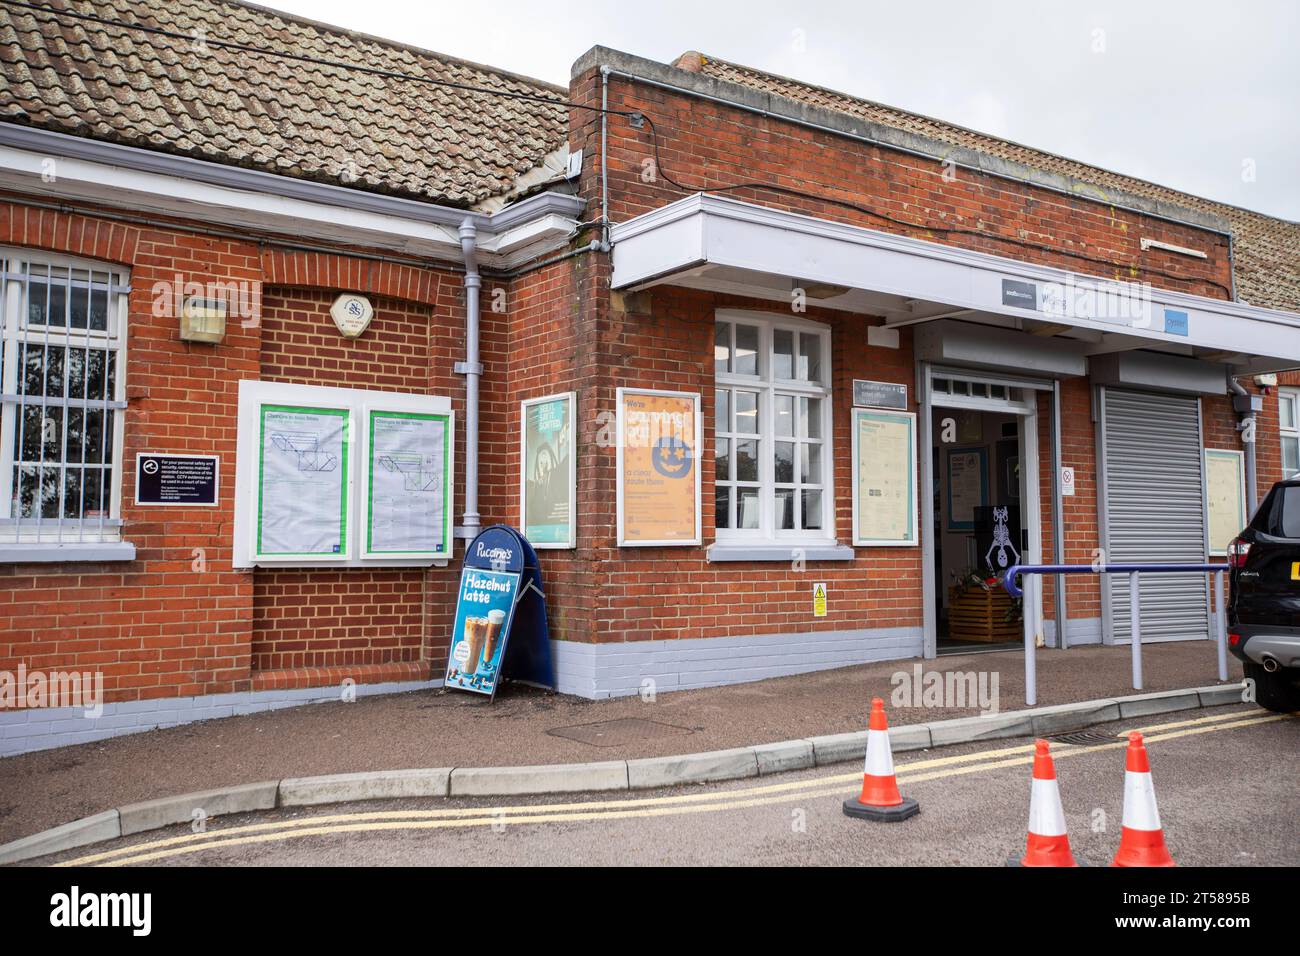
483	614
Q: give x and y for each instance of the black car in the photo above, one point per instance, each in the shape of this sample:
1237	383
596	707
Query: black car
1264	604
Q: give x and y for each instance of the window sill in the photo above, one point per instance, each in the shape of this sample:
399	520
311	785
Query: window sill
46	553
830	551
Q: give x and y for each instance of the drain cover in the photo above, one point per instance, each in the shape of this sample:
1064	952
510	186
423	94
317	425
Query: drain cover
1084	737
614	733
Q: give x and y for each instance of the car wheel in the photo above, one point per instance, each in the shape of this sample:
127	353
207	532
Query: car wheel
1273	691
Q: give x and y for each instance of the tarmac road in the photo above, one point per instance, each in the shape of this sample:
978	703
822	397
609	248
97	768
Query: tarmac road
1227	783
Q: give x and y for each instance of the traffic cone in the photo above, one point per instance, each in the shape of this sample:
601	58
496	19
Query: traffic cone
1048	844
880	799
1142	842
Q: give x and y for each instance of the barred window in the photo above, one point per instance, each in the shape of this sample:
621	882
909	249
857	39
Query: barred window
63	398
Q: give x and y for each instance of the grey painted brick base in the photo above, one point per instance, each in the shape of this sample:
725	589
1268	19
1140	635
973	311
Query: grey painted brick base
1080	631
597	671
586	670
22	731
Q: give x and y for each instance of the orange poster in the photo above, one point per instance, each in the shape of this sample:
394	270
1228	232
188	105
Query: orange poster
658	467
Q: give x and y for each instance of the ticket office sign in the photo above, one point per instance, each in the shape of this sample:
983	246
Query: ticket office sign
658	487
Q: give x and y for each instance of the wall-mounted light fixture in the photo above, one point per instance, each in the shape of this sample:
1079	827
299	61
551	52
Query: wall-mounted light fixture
203	320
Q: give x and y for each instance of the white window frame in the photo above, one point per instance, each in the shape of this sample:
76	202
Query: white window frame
767	534
58	538
1292	396
359	404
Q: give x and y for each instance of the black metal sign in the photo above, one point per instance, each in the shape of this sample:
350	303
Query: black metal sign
189	480
1023	295
879	394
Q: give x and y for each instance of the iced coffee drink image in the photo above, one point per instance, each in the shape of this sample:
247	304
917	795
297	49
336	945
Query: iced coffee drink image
475	633
496	620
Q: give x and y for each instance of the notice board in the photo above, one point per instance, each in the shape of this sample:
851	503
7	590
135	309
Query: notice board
884	478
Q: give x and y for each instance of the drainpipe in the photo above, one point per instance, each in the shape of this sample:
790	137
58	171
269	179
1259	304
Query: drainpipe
472	369
1245	404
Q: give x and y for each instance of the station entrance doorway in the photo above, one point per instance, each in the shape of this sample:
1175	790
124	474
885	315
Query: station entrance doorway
986	509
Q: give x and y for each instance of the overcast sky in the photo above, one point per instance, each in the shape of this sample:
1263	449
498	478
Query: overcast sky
1201	96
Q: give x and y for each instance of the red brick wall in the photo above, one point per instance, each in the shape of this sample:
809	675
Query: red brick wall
156	626
704	145
354	617
179	620
540	343
339	618
665	593
1219	428
300	344
1079	511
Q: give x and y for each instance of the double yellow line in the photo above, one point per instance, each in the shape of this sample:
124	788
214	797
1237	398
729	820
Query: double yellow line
643	807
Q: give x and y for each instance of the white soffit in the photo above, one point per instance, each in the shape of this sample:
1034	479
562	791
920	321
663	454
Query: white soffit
702	232
69	179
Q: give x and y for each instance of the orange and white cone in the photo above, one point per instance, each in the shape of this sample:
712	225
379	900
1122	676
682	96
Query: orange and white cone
1142	842
880	799
1048	844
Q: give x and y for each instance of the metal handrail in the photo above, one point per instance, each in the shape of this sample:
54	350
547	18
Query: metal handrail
1135	617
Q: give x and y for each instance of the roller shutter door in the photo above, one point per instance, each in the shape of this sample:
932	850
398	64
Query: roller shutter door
1154	510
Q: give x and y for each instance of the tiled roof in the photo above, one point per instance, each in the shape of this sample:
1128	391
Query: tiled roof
1266	250
290	117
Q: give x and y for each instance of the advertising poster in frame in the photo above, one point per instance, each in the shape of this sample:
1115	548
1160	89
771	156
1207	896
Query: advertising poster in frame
884	478
658	475
548	471
484	613
1225	498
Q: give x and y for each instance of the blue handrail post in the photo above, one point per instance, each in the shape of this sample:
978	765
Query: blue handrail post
1013	587
1135	629
1031	653
1221	620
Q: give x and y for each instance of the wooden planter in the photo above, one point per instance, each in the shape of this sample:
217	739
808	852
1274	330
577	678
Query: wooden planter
975	614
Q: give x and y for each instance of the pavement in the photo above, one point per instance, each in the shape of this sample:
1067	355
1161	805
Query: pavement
1227	781
525	726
